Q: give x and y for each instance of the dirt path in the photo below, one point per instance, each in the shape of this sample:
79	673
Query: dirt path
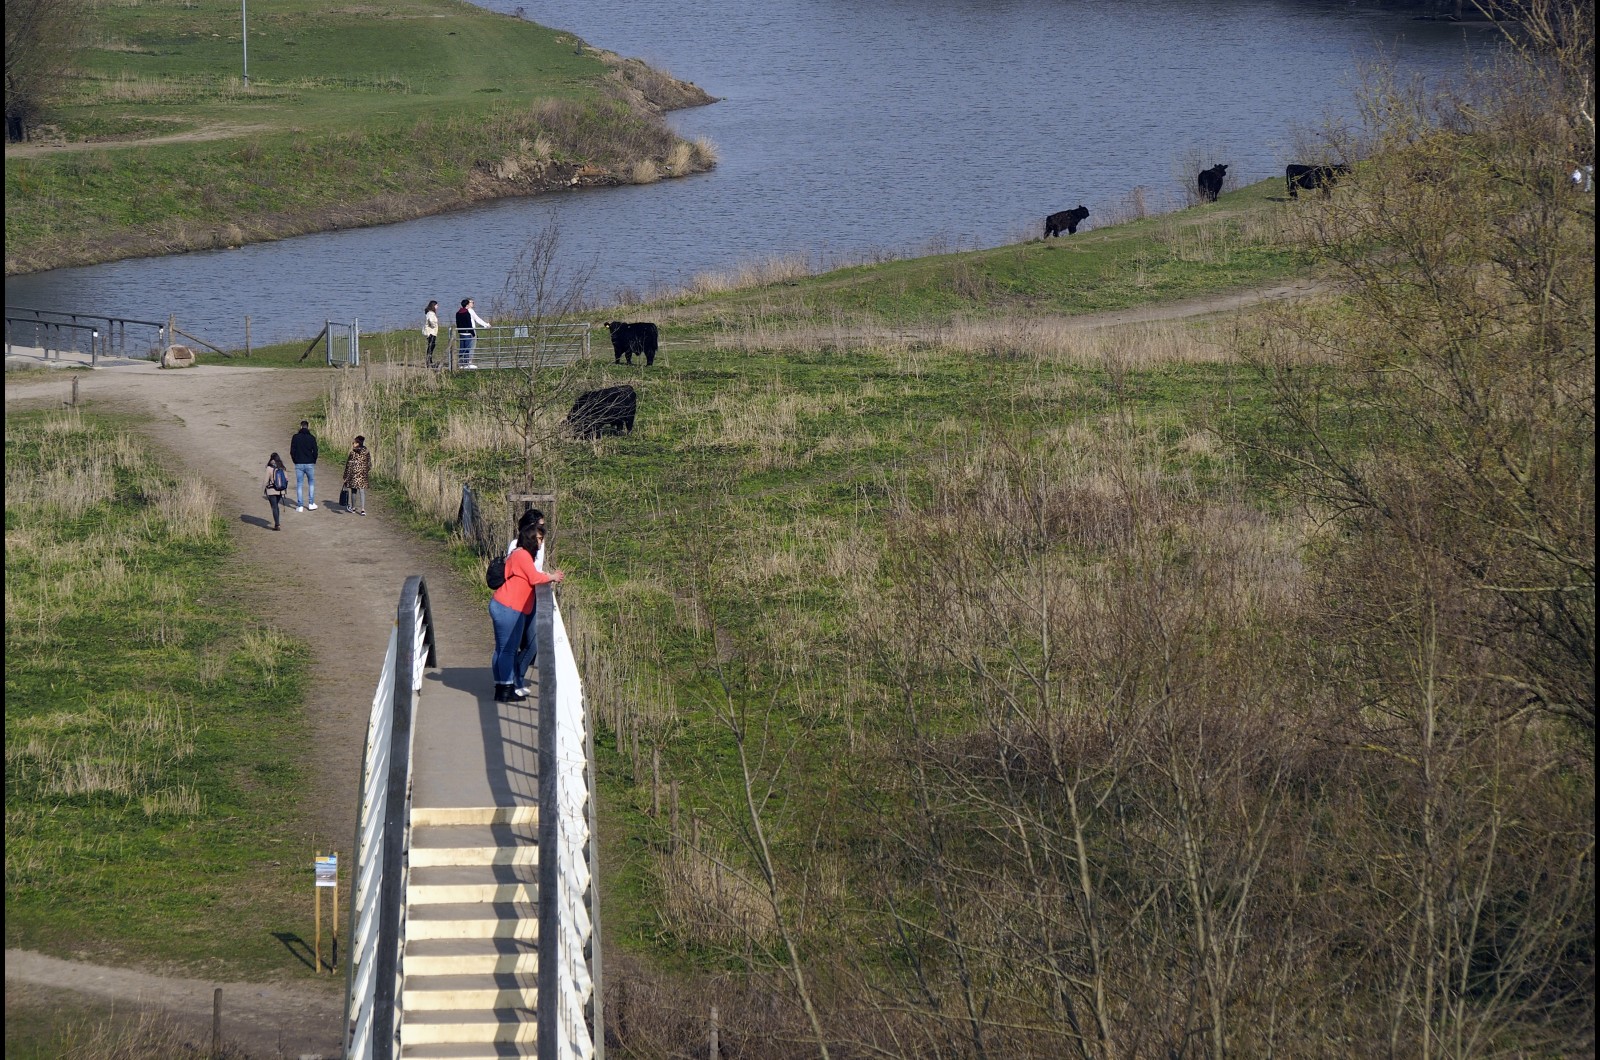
34	149
329	579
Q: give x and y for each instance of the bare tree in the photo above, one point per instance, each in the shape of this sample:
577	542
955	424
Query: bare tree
41	38
541	289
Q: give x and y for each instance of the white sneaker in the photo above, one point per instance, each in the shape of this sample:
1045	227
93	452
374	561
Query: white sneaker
311	507
298	508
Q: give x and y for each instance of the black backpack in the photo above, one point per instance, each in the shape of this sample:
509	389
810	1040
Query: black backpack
495	576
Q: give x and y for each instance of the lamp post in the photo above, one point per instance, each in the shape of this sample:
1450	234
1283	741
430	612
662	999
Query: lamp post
244	38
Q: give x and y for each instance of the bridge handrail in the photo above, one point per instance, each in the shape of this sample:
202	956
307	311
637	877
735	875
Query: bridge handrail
87	316
569	911
383	821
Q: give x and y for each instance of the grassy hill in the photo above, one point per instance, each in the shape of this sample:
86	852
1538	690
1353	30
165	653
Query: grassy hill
351	116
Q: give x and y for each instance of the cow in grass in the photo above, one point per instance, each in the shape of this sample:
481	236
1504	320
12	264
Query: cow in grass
1210	181
629	339
1312	178
597	411
1066	221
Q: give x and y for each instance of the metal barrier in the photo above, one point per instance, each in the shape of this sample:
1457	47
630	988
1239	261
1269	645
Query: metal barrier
383	825
521	346
109	334
350	343
570	1018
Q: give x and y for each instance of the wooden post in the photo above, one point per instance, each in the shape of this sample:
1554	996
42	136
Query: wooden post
74	391
673	810
715	1050
655	782
247	334
317	901
216	1022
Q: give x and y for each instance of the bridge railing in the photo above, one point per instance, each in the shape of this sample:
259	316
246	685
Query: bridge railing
51	330
383	823
570	1018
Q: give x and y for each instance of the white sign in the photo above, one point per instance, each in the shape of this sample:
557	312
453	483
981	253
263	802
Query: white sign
328	871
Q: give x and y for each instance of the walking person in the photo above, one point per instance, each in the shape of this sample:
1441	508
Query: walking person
467	324
510	609
303	451
276	486
430	327
357	469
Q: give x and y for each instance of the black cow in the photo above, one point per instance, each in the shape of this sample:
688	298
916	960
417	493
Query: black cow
629	339
596	411
1312	177
1066	221
1211	182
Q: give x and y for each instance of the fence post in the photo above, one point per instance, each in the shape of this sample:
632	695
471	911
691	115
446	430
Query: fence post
247	334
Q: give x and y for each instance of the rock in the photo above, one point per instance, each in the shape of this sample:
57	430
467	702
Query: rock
177	357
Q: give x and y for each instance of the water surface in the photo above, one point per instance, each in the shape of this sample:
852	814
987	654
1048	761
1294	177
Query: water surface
846	130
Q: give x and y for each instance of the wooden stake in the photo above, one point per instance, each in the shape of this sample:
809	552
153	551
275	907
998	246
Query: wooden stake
216	1022
317	901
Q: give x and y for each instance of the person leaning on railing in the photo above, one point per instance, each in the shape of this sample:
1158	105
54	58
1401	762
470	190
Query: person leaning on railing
511	609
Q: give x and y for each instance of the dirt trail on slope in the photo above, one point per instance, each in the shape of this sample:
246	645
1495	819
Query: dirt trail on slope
329	579
35	148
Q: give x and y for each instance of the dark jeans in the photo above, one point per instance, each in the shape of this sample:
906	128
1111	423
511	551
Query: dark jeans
274	499
433	340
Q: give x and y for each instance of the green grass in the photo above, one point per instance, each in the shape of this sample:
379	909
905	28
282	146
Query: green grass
153	734
351	116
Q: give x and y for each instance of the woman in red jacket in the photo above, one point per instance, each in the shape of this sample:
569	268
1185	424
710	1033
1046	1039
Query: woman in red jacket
510	609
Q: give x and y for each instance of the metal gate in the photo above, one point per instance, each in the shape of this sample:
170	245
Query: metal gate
346	349
523	346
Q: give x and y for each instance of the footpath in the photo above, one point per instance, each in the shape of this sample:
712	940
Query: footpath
333	581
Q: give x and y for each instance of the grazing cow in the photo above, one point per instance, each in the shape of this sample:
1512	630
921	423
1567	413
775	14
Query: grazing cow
629	339
1066	221
1211	182
597	411
1312	177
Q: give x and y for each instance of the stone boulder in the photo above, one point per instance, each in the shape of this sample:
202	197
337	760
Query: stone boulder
177	357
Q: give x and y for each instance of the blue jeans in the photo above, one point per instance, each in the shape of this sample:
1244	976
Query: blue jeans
305	477
508	627
467	339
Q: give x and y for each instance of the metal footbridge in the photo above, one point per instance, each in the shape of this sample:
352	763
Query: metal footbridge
474	913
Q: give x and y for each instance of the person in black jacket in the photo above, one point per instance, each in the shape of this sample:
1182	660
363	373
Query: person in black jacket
303	451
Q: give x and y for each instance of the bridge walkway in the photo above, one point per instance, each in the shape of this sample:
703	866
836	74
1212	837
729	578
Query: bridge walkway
472	916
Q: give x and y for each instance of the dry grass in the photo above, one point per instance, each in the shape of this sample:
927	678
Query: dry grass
1064	341
705	901
780	268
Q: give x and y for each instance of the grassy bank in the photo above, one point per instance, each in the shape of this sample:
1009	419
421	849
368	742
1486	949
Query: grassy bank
151	730
349	118
970	681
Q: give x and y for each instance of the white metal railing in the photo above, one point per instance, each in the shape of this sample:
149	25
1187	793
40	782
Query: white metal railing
521	346
383	822
569	913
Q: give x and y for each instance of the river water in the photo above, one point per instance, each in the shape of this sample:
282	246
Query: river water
847	130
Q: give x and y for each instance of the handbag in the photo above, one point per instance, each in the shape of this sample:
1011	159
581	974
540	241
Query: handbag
344	498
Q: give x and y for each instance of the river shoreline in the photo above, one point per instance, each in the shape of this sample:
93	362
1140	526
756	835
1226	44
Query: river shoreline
513	161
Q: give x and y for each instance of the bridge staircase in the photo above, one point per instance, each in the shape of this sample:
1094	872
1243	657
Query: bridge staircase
473	923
